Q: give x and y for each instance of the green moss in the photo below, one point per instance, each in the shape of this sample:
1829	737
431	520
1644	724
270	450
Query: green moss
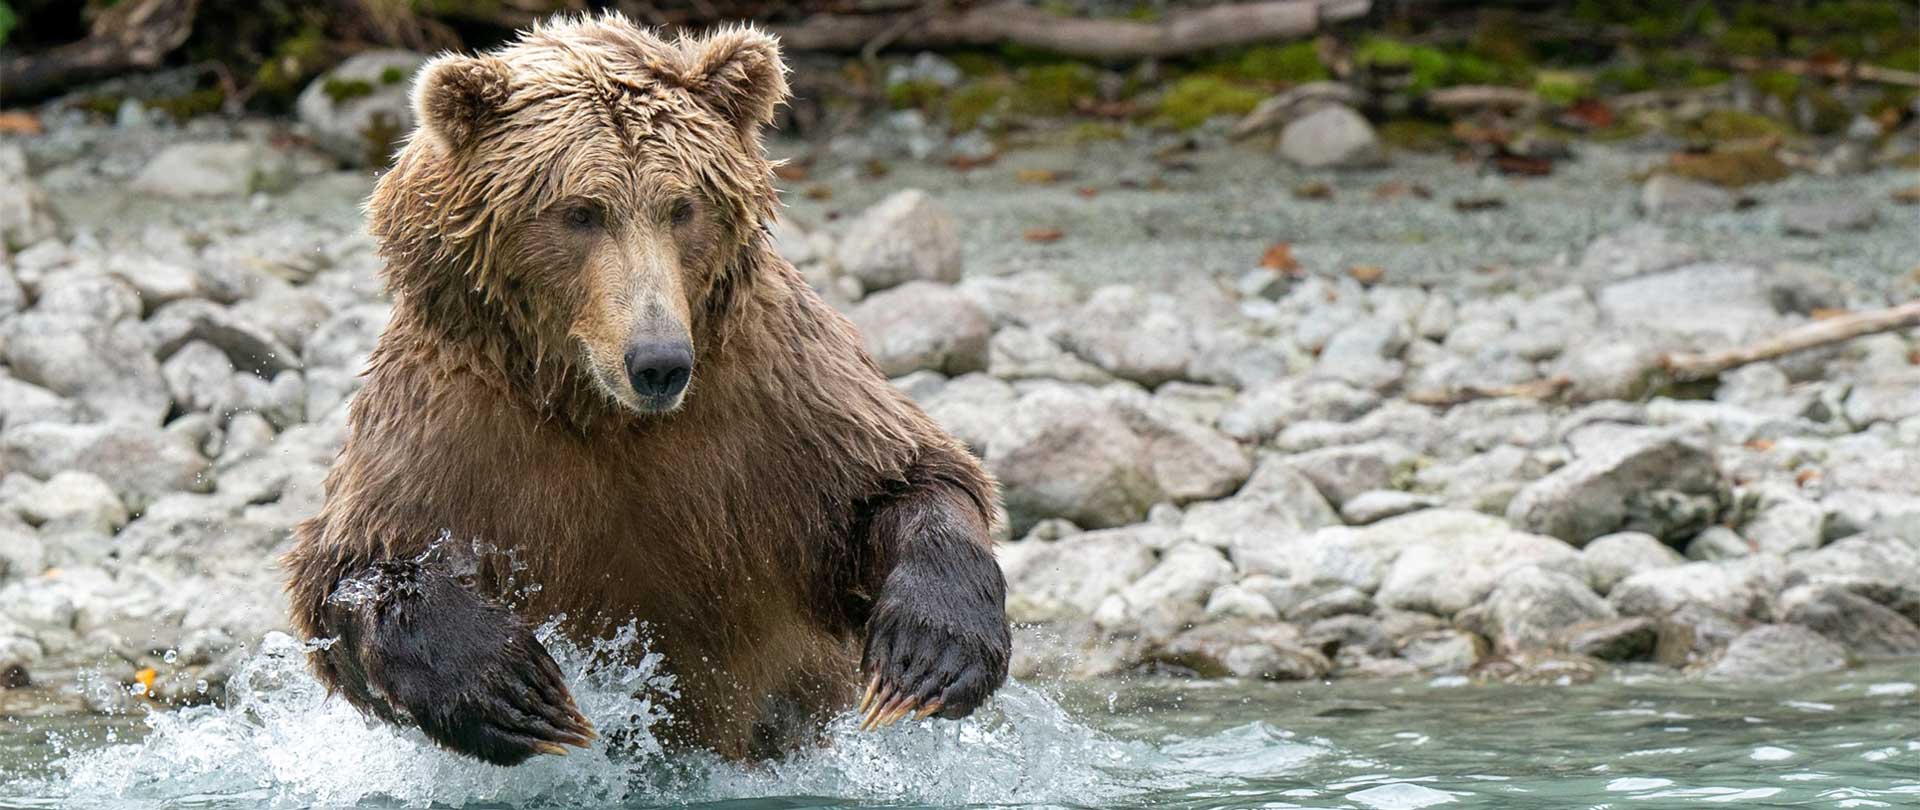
190	105
344	90
1052	89
8	20
1829	115
975	64
1428	67
1708	77
914	95
1194	99
1561	87
1416	135
1777	83
296	59
972	103
393	75
1297	63
1095	131
105	104
1625	79
1733	125
1749	41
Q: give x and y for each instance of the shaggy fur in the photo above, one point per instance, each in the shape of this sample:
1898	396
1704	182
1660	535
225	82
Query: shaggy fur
795	520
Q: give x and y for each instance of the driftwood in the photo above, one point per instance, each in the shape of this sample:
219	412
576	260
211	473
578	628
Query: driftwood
1547	388
1827	331
131	35
1181	32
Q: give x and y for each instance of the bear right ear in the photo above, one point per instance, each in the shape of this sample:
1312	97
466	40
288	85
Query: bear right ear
456	95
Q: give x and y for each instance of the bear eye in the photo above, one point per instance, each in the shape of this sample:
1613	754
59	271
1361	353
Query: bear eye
682	211
583	215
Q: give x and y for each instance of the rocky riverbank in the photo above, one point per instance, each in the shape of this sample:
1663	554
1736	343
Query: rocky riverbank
1243	430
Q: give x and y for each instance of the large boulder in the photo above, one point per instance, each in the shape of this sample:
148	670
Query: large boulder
1776	651
1664	483
108	367
1069	578
1333	136
1070	454
1275	507
1453	564
1737	587
1531	607
140	463
1169	597
360	110
1190	461
1866	627
1613	558
215	169
923	325
1134	335
905	237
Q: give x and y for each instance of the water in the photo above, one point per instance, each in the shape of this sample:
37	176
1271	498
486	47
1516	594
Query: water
1844	740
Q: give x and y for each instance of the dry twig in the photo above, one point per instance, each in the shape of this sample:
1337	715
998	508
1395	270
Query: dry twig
1688	367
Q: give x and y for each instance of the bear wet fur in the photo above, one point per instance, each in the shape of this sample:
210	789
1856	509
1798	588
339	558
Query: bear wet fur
787	526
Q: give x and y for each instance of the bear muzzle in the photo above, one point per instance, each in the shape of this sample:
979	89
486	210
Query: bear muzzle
659	372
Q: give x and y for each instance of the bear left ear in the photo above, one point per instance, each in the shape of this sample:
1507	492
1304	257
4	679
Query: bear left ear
456	96
738	71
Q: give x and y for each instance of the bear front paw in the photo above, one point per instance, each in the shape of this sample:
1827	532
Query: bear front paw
502	705
921	663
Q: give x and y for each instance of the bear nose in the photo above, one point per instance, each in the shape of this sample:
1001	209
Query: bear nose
659	370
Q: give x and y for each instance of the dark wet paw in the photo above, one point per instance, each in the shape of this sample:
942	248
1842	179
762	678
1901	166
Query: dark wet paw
473	677
920	663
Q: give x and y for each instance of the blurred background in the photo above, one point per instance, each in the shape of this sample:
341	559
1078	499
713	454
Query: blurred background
1396	403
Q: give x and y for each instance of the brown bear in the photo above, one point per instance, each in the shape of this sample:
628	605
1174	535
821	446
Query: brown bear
598	368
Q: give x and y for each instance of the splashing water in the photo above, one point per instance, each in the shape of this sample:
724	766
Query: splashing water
281	741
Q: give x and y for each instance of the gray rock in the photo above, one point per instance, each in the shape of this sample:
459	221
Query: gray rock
26	215
1169	597
1071	455
140	463
1708	305
1608	369
359	110
1718	543
1135	336
156	280
905	237
23	402
1665	483
1883	565
1865	627
109	368
1635	250
1025	299
972	407
1018	353
1884	398
1666	196
1739	587
23	554
1240	602
1332	136
1263	411
1630	639
249	346
72	501
1069	578
1777	651
1343	473
1362	353
1785	522
1242	650
923	325
1530	607
1832	216
1341	601
1614	557
1275	505
1376	505
1189	461
215	169
1486	482
1443	652
200	377
1456	567
1277	111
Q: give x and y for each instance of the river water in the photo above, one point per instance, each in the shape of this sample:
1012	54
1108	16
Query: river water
1848	739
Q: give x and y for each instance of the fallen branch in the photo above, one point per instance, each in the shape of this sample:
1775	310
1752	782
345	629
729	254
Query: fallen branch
1181	32
1534	389
130	35
1832	70
1691	367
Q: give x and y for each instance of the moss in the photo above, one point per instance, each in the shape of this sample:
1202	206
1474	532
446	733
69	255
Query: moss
972	103
393	75
1777	83
1416	135
1626	79
1428	67
976	64
1749	41
296	59
1827	114
344	90
1297	63
1560	87
8	20
1708	77
1095	131
1194	99
190	105
1733	125
105	104
1732	167
1052	89
914	95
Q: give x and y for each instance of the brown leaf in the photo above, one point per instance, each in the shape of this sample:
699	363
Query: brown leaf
1522	165
1313	191
1806	475
1393	189
791	172
1589	114
819	192
1367	274
971	162
1043	235
1907	196
24	123
1762	445
1039	177
1279	258
1087	192
876	168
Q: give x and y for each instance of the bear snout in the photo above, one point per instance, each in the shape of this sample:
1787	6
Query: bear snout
659	371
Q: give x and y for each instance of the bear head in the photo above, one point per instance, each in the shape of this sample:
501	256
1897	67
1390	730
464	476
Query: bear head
583	203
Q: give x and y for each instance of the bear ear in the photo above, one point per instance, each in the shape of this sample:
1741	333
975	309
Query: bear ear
456	95
739	73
